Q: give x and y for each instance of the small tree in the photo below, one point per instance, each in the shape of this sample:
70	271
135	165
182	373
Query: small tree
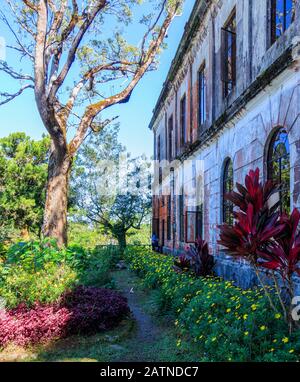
76	52
103	193
265	237
23	169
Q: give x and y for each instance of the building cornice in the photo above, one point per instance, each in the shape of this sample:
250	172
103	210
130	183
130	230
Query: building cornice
183	55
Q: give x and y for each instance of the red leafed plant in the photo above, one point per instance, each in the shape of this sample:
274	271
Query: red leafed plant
283	255
198	259
181	263
262	235
85	310
256	222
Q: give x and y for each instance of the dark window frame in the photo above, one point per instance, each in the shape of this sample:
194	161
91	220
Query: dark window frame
229	56
170	136
227	186
286	15
273	158
199	221
202	95
197	216
158	148
169	208
181	218
183	115
155	226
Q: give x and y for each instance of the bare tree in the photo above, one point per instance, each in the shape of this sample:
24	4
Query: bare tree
75	56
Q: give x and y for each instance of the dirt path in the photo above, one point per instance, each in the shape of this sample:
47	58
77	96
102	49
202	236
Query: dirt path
146	337
147	332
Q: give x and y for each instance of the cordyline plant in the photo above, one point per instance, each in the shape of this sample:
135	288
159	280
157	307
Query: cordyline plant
282	256
263	236
197	258
79	64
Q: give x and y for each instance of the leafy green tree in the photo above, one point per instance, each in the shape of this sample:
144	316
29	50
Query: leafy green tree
23	169
111	189
80	64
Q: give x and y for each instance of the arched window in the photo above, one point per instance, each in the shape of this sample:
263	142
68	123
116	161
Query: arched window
227	186
279	166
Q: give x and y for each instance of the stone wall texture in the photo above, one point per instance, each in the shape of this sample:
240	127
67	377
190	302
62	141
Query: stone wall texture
266	96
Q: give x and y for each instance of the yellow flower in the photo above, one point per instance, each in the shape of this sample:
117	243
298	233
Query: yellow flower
245	316
262	328
253	307
285	340
228	310
277	316
246	333
271	350
291	351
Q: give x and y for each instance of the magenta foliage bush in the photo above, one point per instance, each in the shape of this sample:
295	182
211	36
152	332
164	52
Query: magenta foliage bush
24	326
94	309
85	310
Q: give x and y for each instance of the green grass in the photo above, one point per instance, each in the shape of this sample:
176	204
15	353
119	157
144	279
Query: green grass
127	342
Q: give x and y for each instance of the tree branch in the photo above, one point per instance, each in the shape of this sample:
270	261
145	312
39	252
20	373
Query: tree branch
22	47
10	97
93	110
17	76
75	44
30	5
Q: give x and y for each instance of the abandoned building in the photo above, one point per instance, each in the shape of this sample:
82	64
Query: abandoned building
231	101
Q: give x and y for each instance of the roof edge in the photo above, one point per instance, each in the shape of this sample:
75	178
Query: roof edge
190	30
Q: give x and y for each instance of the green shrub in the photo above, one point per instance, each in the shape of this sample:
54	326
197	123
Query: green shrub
32	255
228	324
20	285
97	270
39	271
221	321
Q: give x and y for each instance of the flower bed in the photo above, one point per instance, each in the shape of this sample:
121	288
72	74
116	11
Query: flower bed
84	310
223	322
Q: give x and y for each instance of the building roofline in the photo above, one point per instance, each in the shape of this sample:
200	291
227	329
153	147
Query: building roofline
190	30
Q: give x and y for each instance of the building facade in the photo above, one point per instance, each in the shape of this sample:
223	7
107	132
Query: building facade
230	103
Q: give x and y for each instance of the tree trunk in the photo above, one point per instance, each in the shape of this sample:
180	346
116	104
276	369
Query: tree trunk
122	241
55	214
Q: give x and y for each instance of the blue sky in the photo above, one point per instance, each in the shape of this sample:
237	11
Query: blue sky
134	117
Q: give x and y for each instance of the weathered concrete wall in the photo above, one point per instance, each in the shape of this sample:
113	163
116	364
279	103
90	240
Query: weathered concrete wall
245	141
245	137
243	275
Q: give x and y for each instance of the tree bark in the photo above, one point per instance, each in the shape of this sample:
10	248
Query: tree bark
122	241
55	214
